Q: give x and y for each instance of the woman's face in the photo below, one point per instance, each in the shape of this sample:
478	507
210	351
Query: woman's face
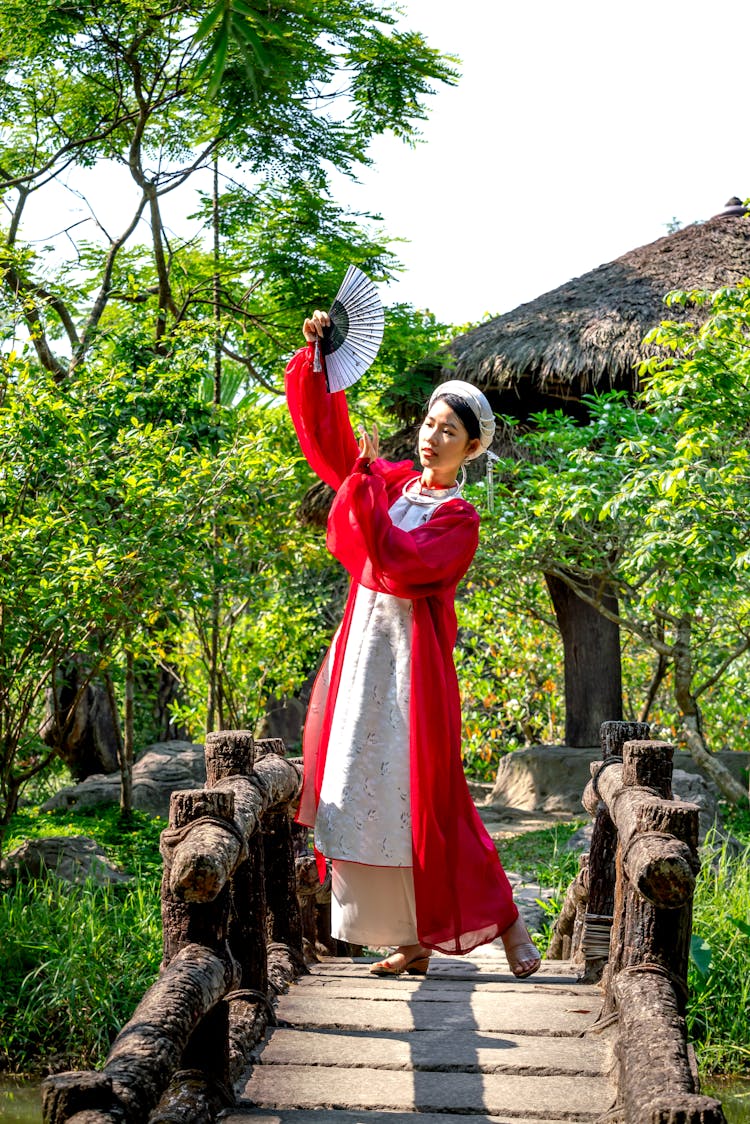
444	443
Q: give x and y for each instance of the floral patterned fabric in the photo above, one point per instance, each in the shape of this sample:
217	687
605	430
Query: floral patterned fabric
364	812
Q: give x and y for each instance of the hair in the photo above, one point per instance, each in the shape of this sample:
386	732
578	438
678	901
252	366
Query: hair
464	412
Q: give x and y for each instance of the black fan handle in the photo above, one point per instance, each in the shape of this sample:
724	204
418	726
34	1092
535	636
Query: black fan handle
318	364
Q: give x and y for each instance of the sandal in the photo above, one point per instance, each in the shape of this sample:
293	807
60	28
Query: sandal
519	954
524	951
417	966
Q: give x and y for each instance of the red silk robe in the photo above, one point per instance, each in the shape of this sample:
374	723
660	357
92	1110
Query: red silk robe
463	897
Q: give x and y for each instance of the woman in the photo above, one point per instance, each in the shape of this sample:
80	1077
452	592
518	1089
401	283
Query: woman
413	865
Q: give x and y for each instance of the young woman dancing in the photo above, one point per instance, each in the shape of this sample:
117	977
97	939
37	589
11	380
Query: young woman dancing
384	787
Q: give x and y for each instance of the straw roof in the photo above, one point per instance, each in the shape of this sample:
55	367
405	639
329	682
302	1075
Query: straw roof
587	334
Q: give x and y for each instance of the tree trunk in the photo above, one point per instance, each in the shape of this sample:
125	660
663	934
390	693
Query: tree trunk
690	719
79	724
126	767
593	673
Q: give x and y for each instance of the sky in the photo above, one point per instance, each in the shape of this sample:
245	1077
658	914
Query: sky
577	132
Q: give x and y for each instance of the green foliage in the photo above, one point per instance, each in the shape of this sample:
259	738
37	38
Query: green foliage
75	960
648	502
131	847
719	976
541	855
509	667
138	519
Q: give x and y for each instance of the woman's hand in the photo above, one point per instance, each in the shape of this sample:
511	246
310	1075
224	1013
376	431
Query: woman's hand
368	443
312	329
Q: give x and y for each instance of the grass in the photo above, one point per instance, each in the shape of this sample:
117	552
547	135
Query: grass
719	975
75	960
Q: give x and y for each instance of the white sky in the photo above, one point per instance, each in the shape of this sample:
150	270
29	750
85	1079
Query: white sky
577	131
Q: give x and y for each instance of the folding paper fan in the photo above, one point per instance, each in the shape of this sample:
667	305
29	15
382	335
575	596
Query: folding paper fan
352	341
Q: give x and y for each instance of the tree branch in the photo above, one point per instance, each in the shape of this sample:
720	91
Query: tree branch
725	663
34	323
103	295
623	622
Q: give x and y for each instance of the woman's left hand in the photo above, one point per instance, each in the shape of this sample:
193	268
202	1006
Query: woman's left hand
368	443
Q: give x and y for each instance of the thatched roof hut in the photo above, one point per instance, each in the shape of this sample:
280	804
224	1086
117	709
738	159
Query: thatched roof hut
587	334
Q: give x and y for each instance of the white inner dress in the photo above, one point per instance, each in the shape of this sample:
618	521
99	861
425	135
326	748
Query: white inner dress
363	821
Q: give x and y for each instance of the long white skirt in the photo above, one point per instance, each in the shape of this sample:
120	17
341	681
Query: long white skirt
373	905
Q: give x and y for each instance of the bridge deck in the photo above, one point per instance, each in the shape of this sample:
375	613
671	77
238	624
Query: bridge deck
468	1040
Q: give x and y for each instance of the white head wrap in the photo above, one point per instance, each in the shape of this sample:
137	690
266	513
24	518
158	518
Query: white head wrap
477	403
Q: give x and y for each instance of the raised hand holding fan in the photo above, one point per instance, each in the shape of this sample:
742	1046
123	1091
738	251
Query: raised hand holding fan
352	340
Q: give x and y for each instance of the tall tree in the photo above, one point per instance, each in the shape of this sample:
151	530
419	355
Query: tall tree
125	83
620	503
113	461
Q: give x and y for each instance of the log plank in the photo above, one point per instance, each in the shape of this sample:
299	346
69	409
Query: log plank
656	1082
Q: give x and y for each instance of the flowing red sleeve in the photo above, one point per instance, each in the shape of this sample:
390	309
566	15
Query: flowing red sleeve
320	419
384	558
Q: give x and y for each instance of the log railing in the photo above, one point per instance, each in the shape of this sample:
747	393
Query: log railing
232	931
627	921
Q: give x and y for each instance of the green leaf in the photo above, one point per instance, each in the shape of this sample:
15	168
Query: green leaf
211	18
700	954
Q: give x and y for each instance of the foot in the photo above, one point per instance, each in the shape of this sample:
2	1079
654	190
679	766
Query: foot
523	955
412	958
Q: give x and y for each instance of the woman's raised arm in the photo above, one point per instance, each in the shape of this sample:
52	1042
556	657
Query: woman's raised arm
320	419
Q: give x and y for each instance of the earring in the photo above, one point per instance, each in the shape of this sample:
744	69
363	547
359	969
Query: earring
462	481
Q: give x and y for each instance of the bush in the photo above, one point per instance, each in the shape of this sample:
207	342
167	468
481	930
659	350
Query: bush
75	960
719	975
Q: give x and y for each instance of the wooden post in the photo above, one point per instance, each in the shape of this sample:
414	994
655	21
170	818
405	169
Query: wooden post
205	923
597	921
232	753
656	1085
229	753
67	1094
186	922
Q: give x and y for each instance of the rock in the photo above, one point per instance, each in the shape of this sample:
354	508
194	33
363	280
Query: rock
695	789
528	897
551	778
547	778
73	858
580	840
160	770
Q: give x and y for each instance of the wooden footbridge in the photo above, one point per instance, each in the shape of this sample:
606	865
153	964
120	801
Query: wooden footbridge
248	1021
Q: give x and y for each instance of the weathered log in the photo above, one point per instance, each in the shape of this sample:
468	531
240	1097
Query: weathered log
191	1095
264	746
247	917
644	933
206	923
661	858
249	1014
229	753
66	1095
648	764
148	1048
656	867
230	756
593	927
284	965
248	1019
203	923
656	1083
283	921
614	735
203	862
